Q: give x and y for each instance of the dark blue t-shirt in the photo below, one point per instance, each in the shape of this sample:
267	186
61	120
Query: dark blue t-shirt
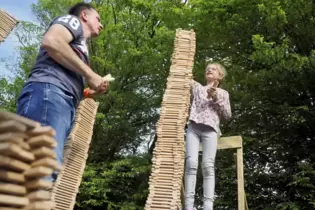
48	70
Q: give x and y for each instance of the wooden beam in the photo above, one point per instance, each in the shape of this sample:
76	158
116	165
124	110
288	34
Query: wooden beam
231	142
240	179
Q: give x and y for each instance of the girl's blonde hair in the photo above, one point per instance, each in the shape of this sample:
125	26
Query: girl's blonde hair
222	71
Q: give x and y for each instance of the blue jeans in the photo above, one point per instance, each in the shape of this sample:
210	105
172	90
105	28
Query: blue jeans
197	133
51	106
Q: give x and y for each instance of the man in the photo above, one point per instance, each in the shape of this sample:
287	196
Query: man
56	83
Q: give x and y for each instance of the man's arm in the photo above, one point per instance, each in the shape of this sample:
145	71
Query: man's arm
56	42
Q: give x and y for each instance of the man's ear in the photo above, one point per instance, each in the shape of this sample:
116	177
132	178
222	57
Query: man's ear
84	16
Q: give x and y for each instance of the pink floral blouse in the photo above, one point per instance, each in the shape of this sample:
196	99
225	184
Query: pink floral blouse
207	111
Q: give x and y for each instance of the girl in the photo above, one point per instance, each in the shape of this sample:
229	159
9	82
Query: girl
209	106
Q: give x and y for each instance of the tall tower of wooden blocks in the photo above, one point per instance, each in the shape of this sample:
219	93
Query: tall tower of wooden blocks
27	156
169	154
75	156
7	23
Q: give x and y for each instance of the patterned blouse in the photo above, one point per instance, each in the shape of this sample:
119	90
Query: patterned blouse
207	111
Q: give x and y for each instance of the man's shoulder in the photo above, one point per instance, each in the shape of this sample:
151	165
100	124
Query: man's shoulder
71	22
66	18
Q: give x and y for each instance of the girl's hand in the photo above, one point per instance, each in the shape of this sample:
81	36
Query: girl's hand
212	93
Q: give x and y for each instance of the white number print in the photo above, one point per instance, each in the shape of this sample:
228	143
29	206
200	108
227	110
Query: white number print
73	22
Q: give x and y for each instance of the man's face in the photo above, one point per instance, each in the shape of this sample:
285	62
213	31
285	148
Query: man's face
93	20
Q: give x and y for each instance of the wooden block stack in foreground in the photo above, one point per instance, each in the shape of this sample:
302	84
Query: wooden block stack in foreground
7	23
27	156
169	154
75	156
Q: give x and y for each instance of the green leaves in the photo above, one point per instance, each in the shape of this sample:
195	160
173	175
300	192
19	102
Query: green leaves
267	47
121	184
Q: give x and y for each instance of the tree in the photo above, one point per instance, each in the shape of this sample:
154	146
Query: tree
267	47
120	184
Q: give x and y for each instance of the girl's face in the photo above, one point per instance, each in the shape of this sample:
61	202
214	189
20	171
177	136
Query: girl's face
212	73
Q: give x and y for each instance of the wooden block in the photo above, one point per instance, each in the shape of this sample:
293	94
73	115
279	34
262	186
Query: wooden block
17	138
12	137
42	152
40	205
12	189
42	130
12	126
4	116
37	172
42	140
38	184
13	200
25	146
13	150
39	195
9	176
47	162
11	163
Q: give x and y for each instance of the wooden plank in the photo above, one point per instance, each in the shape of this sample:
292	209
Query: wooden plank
40	205
10	208
9	176
38	184
11	163
42	130
12	126
13	200
37	172
13	150
12	189
42	152
4	115
240	180
12	137
39	195
42	140
232	142
48	162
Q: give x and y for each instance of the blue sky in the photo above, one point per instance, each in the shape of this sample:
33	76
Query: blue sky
21	10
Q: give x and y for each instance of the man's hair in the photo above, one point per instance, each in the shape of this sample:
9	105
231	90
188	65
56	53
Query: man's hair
77	8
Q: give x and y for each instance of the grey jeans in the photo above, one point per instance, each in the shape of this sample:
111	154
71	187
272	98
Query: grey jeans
197	133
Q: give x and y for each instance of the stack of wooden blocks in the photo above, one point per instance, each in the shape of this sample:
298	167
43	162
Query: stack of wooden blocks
169	152
27	157
75	156
7	23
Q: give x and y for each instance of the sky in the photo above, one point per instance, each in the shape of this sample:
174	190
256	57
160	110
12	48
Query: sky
20	10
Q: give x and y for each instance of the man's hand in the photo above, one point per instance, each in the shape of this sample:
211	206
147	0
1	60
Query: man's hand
103	88
212	93
96	82
93	93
